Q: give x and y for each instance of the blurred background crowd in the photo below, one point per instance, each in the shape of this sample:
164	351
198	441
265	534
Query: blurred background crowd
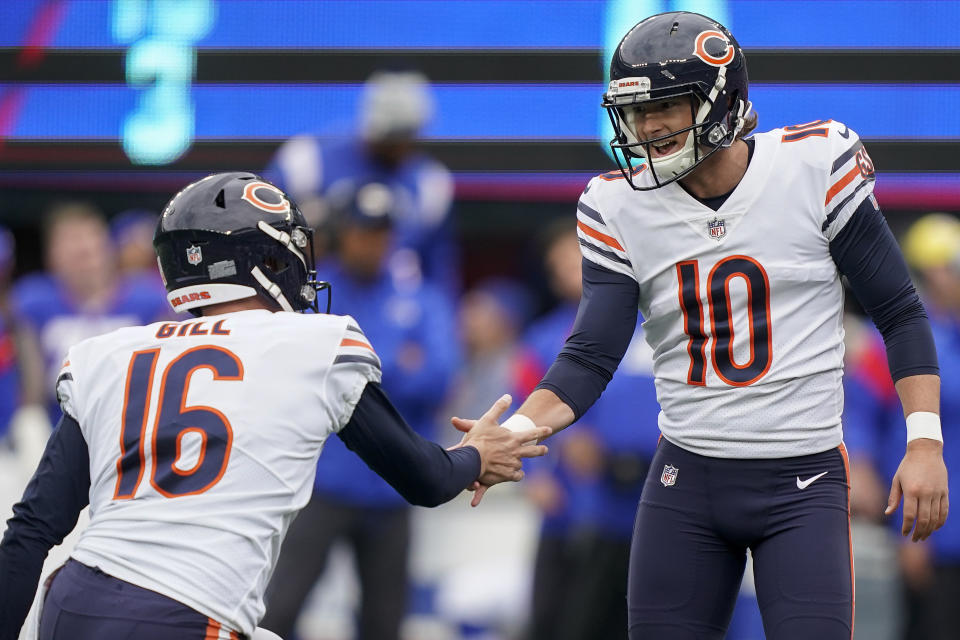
438	148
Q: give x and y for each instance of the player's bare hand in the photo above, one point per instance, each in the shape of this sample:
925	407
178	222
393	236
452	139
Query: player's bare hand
478	492
464	425
501	450
478	489
921	480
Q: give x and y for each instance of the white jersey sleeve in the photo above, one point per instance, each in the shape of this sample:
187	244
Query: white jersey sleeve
599	241
354	365
850	177
66	394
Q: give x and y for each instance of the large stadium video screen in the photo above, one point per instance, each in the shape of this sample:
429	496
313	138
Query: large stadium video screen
150	92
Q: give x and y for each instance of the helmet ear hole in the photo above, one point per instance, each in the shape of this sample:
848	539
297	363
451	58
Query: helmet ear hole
275	265
220	200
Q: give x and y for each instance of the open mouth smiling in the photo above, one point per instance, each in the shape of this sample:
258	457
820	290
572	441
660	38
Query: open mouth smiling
664	148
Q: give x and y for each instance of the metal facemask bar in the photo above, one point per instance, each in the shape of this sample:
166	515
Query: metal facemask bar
298	241
716	135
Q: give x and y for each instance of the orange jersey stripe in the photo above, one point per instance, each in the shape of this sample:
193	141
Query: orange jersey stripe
347	342
602	237
618	175
841	183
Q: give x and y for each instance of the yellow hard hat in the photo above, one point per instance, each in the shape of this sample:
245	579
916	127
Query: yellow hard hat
932	241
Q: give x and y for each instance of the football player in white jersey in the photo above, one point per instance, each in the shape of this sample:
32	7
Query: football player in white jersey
732	247
196	442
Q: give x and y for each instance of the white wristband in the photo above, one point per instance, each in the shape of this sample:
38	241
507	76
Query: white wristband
518	422
924	424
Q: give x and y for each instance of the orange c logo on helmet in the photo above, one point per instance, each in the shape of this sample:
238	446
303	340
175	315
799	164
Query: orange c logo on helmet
250	195
701	52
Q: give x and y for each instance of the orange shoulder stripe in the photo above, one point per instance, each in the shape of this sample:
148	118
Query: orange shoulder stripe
602	237
841	183
347	342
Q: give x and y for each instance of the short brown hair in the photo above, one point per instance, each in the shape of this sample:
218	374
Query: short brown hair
749	124
61	212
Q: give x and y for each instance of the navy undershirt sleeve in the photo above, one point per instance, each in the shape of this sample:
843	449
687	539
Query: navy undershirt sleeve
423	472
48	511
605	323
866	252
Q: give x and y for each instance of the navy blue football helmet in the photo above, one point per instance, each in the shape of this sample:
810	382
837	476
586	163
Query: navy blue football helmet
231	236
676	55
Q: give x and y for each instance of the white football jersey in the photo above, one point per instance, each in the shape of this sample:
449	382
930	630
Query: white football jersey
203	439
743	305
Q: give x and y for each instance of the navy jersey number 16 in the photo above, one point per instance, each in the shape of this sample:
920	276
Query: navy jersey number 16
174	421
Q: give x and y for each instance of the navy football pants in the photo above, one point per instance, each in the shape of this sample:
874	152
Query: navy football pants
86	604
690	542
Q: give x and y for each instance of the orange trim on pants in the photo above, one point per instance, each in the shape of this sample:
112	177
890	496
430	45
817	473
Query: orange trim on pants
213	630
853	586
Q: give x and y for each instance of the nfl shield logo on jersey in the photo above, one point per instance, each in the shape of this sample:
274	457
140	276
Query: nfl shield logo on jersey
717	228
669	476
194	255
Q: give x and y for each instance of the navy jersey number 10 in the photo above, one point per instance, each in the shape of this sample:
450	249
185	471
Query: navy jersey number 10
174	421
721	320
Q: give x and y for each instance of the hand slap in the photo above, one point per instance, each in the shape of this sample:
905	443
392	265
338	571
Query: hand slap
501	450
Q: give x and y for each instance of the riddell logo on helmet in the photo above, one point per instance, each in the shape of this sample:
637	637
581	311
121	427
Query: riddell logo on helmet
189	297
700	49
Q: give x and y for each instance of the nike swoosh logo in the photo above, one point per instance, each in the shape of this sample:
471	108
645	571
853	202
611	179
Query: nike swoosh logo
803	484
845	133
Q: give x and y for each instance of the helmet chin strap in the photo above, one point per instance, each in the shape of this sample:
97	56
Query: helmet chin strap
271	288
678	161
283	238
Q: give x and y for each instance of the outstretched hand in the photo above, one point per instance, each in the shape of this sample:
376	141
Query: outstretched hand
501	450
921	480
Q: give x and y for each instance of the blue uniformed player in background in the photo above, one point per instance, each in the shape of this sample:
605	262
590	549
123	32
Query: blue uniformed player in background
411	323
9	374
732	247
565	487
393	110
931	571
588	491
81	294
